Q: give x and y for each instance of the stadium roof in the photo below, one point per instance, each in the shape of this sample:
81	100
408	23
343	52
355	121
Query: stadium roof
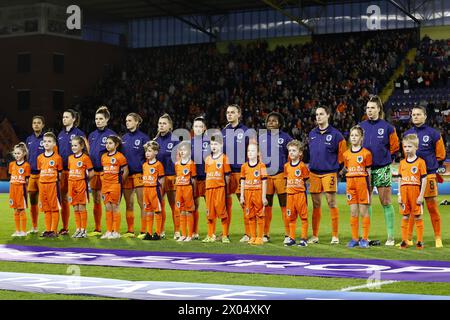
129	9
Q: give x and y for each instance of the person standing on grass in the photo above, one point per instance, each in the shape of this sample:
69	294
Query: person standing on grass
381	139
326	147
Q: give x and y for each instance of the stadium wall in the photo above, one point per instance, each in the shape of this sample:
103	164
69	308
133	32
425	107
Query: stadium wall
84	63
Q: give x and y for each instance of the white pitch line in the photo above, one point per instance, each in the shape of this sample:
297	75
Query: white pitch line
371	285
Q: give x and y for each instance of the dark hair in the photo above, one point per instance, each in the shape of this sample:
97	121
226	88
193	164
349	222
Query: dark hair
424	110
117	141
82	142
376	99
74	115
234	105
200	119
40	118
104	111
327	109
279	117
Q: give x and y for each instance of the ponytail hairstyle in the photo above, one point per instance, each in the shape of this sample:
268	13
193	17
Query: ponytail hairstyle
117	141
169	119
104	111
50	134
136	117
82	142
376	99
75	115
23	147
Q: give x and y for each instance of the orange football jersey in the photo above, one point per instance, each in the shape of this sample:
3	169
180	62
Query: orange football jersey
112	167
215	170
356	162
184	173
49	167
296	175
151	172
412	173
78	166
253	176
19	172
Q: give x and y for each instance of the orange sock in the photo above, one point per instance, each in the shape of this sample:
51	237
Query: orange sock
83	215
109	221
195	221
23	221
149	217
190	224
292	227
183	224
225	226
366	227
48	221
285	221
252	227
34	215
435	217
405	223
267	220
317	214
354	224
130	220
116	221
98	216
55	221
334	221
305	228
17	220
65	214
410	226
158	222
419	230
163	215
260	230
77	219
175	217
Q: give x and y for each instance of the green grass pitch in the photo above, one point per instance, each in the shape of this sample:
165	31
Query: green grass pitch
275	247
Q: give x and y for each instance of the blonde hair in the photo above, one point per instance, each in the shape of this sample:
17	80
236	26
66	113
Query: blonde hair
411	138
22	146
184	144
104	111
152	145
50	135
169	119
136	117
297	144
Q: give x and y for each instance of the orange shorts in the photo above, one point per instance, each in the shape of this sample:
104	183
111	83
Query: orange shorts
358	190
235	183
18	196
133	181
111	193
215	203
64	182
184	198
49	197
200	189
409	200
78	192
431	189
96	181
152	199
169	183
276	184
33	183
296	206
253	203
323	182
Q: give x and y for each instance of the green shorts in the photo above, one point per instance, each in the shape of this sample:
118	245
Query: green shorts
381	177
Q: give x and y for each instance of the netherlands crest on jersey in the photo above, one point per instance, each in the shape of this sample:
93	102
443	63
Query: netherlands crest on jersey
70	199
137	142
240	136
113	160
329	137
205	145
178	204
426	138
51	163
256	173
104	139
21	170
414	170
280	140
349	196
185	171
359	159
152	170
380	131
103	197
218	165
170	146
41	143
72	136
79	164
247	211
288	212
403	206
297	173
11	202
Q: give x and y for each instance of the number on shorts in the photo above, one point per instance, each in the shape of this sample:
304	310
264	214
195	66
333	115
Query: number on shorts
431	185
332	181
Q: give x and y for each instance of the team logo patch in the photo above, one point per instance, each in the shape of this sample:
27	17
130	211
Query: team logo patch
280	140
288	212
51	163
170	146
11	202
41	143
380	131
152	170
426	138
256	173
297	173
178	204
218	165
403	206
21	170
349	196
145	206
69	199
185	171
72	136
113	160
359	159
329	137
104	139
103	197
240	136
79	164
207	212
414	170
205	145
247	211
137	142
